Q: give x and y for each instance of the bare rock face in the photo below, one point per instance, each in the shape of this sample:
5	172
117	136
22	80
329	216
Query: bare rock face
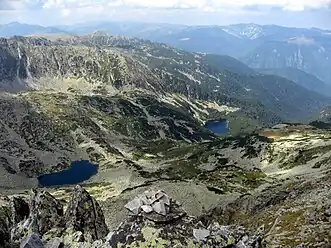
84	214
156	220
32	241
5	221
20	209
46	212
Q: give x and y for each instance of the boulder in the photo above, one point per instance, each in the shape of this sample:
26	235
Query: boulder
201	234
46	212
84	214
32	241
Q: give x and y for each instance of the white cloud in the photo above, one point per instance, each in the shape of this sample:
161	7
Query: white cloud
193	12
210	5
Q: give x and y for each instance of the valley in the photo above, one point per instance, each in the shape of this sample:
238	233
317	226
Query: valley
148	116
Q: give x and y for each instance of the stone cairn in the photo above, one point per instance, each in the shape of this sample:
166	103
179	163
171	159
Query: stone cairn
156	206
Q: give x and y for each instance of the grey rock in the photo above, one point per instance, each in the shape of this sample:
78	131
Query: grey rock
134	205
55	243
159	207
241	244
109	237
201	234
147	209
26	224
144	200
32	241
163	197
85	214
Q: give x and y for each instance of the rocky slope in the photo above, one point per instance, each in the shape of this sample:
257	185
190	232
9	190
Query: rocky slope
115	64
137	110
156	220
260	46
308	53
109	99
275	184
300	77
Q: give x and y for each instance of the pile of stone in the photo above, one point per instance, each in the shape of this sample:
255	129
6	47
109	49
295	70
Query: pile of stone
148	202
156	206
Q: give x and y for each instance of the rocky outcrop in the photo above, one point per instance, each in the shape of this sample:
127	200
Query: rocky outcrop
32	241
5	221
20	209
159	220
84	214
44	217
154	220
46	212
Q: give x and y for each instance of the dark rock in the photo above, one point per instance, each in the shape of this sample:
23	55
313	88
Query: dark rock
84	214
327	211
46	212
5	221
32	241
20	209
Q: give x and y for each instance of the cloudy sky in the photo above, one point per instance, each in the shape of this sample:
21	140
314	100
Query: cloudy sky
299	13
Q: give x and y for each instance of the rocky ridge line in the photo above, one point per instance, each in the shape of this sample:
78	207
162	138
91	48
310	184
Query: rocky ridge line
155	220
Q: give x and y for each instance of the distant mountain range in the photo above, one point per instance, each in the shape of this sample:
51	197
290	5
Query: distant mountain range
258	46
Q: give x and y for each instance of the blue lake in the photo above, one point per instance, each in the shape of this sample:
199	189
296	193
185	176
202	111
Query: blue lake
78	172
218	127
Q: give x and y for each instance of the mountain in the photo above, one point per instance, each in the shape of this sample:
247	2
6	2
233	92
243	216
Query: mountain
304	53
259	46
300	77
198	76
136	110
16	28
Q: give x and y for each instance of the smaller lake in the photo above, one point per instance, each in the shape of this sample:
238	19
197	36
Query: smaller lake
218	127
78	172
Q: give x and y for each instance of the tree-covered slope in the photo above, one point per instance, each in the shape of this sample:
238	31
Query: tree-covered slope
300	77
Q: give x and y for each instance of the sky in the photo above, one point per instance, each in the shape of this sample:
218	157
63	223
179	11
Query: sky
297	13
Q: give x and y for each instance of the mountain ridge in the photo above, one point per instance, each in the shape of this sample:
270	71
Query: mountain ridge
137	109
241	41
